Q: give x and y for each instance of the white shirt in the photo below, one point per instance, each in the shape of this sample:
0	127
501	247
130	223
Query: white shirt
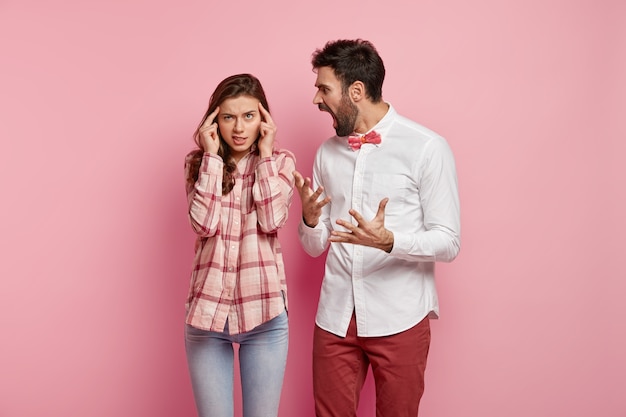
389	292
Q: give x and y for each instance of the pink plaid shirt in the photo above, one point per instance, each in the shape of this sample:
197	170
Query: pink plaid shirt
238	272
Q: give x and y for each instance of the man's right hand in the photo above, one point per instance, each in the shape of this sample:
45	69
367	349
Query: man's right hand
311	207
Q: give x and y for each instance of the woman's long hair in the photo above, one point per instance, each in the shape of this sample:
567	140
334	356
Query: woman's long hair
231	87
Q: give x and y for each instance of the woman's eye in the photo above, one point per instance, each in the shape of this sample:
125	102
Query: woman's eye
227	117
249	116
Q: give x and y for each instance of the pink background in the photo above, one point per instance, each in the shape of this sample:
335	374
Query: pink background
98	101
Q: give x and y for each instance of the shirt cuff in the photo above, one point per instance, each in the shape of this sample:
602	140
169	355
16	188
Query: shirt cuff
266	167
211	164
401	244
308	230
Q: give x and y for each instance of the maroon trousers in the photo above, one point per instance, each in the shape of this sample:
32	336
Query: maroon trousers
398	363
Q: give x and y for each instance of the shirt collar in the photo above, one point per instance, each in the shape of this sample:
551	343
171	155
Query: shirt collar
382	127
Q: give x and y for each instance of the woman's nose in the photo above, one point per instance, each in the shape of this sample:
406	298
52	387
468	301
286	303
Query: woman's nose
238	125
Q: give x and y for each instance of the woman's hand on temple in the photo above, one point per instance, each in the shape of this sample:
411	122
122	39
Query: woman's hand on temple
267	133
209	138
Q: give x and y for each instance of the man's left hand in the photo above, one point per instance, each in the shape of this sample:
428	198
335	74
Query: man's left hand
367	233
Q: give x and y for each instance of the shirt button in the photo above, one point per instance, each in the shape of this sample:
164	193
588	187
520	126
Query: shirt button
230	269
232	247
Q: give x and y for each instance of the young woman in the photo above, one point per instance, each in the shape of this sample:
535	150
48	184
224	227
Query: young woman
239	190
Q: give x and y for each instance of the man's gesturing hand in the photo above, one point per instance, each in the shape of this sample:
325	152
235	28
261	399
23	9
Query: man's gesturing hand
311	208
367	233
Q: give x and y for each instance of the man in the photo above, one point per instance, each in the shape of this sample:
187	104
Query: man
384	197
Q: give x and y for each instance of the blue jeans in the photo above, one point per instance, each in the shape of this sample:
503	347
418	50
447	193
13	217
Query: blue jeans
262	360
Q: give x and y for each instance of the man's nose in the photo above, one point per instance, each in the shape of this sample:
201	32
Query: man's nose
316	99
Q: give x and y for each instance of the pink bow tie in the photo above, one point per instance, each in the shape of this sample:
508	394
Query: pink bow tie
355	141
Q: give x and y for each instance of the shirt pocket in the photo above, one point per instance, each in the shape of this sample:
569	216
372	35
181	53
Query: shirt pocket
397	187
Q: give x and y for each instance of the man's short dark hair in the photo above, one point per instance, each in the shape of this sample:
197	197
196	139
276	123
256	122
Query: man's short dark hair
353	60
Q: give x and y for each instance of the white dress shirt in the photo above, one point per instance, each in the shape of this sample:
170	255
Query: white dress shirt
389	292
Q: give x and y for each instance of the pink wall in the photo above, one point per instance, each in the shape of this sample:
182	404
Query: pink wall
98	101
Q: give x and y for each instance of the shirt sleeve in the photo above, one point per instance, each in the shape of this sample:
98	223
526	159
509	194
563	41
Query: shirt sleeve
273	190
314	240
441	239
205	196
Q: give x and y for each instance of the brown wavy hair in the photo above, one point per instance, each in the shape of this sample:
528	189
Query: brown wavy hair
231	87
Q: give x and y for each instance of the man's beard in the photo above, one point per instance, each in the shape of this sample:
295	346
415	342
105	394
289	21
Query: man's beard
345	116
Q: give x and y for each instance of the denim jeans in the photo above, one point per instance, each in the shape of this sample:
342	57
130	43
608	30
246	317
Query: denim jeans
262	359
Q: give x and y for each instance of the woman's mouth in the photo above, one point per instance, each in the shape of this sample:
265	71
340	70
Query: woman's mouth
238	140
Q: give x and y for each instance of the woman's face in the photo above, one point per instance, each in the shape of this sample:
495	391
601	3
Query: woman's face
239	121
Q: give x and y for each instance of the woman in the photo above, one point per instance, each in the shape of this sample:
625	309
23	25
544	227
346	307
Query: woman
239	190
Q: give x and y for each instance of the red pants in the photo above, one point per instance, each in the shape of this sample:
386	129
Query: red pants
398	364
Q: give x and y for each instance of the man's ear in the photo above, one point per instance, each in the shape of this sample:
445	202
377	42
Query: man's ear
357	91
